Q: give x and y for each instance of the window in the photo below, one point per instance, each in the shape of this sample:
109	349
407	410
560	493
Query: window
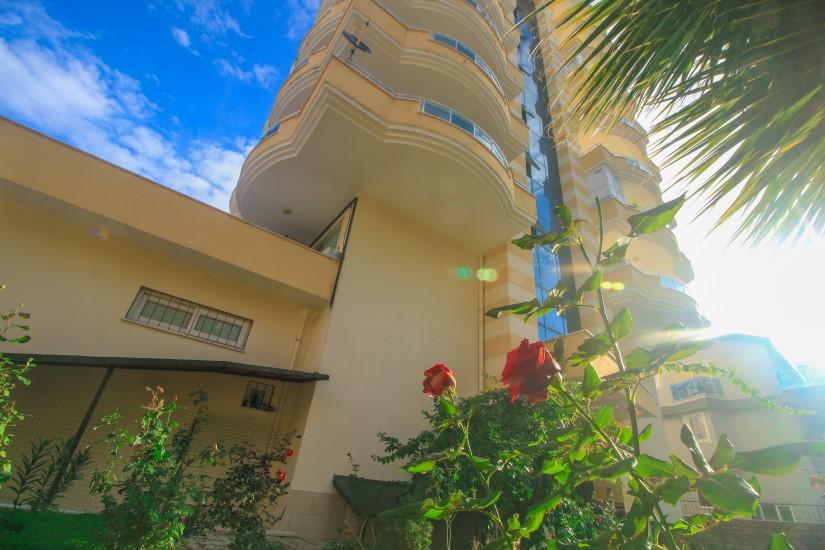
775	512
698	423
165	312
258	396
701	385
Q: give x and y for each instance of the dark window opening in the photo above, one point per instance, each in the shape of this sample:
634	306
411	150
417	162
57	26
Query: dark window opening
258	396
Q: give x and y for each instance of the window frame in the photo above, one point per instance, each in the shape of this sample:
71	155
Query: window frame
196	310
271	388
708	431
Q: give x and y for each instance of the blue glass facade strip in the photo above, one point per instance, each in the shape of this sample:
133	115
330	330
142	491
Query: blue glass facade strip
542	167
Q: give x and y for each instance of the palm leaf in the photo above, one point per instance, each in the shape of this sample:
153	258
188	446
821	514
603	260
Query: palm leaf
740	87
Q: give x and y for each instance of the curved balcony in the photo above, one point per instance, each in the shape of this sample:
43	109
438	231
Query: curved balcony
655	301
640	181
657	252
321	32
428	162
297	87
451	19
417	62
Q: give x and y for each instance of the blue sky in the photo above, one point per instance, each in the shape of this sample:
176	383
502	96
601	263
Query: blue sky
178	90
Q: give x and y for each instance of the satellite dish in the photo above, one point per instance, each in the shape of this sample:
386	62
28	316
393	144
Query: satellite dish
357	43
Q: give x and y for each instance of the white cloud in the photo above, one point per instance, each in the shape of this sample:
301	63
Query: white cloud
59	87
265	75
210	16
301	15
182	38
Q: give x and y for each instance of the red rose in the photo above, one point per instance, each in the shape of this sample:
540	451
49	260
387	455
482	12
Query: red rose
437	379
281	475
528	371
290	452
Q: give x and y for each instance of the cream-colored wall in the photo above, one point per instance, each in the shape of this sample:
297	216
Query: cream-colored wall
59	396
399	309
78	284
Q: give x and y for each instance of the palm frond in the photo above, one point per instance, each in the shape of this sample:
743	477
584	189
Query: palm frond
741	86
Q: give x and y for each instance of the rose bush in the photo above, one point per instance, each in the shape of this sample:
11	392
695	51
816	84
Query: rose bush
588	443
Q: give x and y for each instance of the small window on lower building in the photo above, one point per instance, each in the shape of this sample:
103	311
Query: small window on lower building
775	512
698	423
166	312
258	396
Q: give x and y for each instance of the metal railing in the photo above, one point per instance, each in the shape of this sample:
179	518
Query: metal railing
785	511
457	119
464	50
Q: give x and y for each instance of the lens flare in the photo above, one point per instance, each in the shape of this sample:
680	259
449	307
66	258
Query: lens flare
101	233
487	274
463	273
607	285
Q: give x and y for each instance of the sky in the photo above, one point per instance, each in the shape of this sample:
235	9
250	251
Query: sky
178	91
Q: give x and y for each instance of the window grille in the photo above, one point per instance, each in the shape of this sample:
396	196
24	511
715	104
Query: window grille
696	386
258	396
169	313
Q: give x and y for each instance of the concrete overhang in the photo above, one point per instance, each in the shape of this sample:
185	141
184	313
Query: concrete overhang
46	174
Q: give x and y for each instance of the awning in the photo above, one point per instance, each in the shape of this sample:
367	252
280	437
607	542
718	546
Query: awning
154	363
370	497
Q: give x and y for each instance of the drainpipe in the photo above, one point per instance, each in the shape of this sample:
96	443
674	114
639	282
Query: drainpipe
303	317
480	328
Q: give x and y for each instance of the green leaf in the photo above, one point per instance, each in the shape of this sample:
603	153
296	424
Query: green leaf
622	324
682	468
421	467
777	460
554	239
639	359
483	464
565	216
604	416
645	434
593	347
480	504
696	453
673	489
535	514
21	339
655	219
616	470
411	510
594	282
591	381
649	466
615	254
522	308
447	406
625	435
729	493
553	467
723	454
780	542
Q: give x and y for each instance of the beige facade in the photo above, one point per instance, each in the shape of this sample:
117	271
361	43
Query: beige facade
371	229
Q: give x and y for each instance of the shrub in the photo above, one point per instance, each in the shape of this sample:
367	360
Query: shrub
157	490
243	499
51	467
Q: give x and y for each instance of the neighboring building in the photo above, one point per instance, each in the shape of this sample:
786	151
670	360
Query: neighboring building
371	230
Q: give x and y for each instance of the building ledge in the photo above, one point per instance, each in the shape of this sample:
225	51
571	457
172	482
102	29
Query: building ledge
182	365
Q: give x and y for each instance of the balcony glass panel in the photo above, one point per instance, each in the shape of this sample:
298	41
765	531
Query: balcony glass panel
465	124
696	386
464	50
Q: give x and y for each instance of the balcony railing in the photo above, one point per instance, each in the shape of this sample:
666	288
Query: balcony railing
696	386
468	53
789	512
484	14
638	165
456	119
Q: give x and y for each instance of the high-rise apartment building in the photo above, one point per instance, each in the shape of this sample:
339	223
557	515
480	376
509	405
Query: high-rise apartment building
410	143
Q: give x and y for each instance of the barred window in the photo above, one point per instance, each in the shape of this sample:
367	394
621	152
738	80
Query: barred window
166	312
258	396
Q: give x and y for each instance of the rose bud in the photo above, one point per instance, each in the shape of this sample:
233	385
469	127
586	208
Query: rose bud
437	379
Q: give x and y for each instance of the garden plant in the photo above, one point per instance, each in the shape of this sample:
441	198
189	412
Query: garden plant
583	440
